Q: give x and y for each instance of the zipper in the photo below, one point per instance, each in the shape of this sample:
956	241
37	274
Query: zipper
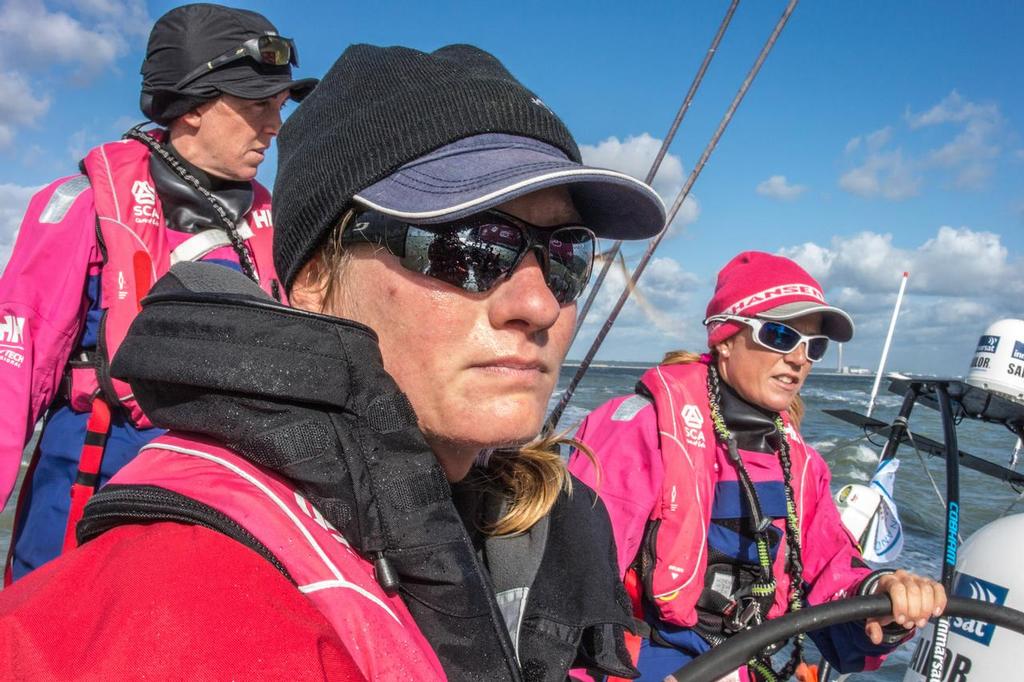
647	557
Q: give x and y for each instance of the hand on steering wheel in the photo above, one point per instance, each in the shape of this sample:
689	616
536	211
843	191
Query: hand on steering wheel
915	599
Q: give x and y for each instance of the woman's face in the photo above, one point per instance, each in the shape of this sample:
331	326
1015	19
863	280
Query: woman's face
479	368
764	377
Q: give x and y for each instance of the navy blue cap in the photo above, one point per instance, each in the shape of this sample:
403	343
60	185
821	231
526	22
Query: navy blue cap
483	171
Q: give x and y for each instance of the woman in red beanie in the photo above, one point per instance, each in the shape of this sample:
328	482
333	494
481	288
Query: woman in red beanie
722	514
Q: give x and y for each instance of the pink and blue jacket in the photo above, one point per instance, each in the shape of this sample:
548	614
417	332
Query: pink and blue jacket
659	462
88	249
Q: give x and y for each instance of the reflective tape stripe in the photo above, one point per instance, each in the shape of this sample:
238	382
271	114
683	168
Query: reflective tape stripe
198	245
62	199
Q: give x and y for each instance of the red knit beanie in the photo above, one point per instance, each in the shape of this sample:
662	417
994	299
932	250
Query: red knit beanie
758	284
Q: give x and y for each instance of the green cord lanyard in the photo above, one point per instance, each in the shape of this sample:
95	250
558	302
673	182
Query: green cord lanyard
766	585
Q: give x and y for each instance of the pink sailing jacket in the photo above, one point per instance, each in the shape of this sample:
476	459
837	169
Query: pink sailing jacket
138	251
661	462
378	630
42	291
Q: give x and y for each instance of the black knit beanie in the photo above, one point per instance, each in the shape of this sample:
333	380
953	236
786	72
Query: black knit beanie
377	109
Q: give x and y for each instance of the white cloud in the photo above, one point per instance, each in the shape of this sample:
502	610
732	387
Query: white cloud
36	37
955	262
872	141
967	160
19	106
88	38
13	202
970	154
634	156
961	280
655	308
778	187
883	174
952	109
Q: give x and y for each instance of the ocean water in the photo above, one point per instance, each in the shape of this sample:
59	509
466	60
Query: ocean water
851	457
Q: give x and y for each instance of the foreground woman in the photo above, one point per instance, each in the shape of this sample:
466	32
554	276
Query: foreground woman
723	515
346	491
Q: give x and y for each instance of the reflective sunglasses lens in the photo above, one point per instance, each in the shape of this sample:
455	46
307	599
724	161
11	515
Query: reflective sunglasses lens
778	336
571	256
472	258
816	348
274	50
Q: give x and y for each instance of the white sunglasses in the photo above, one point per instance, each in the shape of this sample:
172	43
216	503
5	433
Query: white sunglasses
777	336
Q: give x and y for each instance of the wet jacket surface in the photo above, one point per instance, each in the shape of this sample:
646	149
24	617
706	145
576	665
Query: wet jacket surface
305	396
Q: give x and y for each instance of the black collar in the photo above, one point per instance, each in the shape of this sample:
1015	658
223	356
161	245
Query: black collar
185	209
753	426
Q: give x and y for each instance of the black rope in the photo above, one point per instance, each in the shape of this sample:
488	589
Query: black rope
611	253
563	402
237	243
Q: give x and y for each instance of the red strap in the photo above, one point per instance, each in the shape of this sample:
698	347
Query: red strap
96	430
142	264
806	673
633	642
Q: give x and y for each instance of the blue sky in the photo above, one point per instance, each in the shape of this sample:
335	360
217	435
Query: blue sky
879	137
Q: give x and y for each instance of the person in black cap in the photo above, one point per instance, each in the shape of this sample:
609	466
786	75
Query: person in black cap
369	455
92	244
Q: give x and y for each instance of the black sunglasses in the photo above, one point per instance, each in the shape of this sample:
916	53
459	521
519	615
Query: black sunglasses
269	48
779	337
475	252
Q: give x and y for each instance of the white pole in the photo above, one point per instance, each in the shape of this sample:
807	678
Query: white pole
888	340
839	363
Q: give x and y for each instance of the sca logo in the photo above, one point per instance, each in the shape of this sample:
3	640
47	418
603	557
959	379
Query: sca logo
987	344
1018	350
693	420
144	209
976	588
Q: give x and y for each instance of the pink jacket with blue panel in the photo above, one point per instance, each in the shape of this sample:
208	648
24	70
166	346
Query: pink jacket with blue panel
659	462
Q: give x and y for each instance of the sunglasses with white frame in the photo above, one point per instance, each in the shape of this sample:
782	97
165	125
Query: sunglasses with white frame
777	336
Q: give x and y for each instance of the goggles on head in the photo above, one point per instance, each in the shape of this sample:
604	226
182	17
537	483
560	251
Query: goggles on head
777	336
269	48
476	252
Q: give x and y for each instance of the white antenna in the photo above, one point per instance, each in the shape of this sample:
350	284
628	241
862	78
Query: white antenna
888	340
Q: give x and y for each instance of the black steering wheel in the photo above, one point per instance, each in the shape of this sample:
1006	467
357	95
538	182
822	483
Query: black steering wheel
738	649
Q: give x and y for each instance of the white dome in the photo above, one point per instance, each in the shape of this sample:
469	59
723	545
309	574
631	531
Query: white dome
998	363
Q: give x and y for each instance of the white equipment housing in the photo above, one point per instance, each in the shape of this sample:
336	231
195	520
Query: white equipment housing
991	568
998	363
857	505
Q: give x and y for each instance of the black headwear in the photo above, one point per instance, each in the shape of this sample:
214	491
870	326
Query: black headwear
379	108
190	35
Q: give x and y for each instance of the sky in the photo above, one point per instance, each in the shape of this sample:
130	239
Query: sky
878	138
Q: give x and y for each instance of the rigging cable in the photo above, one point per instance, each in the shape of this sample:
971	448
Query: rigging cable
676	205
669	137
